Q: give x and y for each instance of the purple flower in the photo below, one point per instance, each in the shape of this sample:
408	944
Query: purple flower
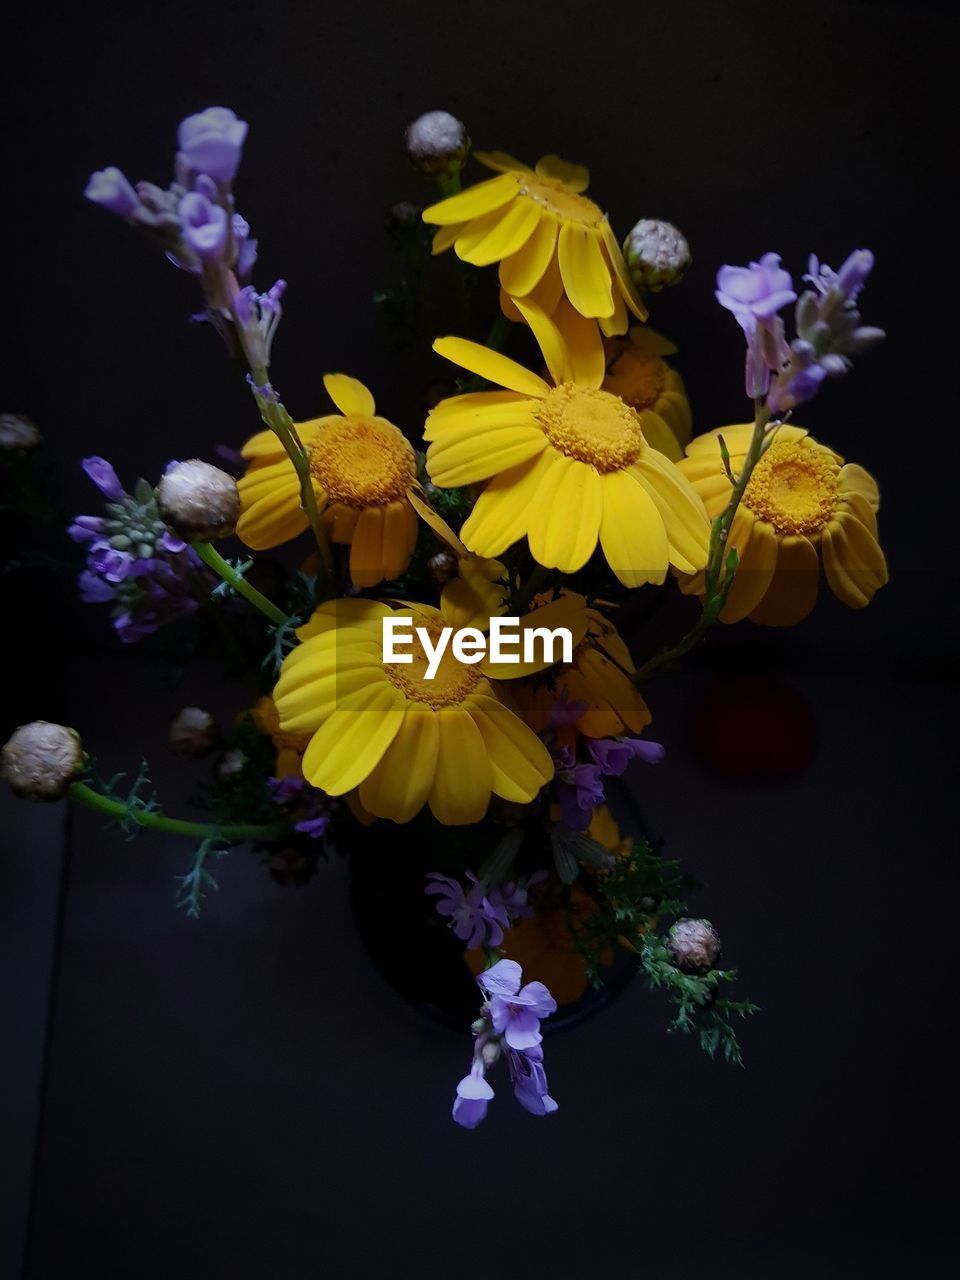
755	292
515	1015
110	563
502	978
204	226
315	807
104	477
579	789
530	1080
132	627
111	190
513	897
94	590
473	1095
211	142
86	528
170	542
612	755
564	711
474	919
246	247
848	281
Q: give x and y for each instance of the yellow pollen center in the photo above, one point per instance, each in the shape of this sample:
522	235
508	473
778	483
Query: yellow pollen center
451	683
637	378
363	461
794	487
553	196
591	426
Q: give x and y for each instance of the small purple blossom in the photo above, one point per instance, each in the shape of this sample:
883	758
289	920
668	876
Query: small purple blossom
110	189
94	590
755	292
104	477
86	528
612	755
579	789
474	919
509	1025
204	226
211	142
108	562
566	711
312	807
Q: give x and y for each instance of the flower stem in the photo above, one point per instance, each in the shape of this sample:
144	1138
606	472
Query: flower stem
720	569
215	561
150	819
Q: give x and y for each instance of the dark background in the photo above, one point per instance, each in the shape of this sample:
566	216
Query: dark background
242	1095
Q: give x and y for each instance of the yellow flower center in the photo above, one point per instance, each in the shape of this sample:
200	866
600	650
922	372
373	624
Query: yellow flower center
637	378
591	426
555	198
451	683
794	487
363	461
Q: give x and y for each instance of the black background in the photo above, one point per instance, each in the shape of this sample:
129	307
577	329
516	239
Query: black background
241	1096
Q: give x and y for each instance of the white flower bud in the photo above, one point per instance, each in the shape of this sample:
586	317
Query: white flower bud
694	946
17	432
193	733
41	760
437	143
231	765
656	254
199	501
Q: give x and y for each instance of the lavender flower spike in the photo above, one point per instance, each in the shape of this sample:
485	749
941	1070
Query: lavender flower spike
104	477
756	292
211	142
204	226
110	189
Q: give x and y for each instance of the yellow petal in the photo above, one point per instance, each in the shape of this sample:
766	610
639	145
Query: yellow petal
865	512
632	535
399	537
502	162
501	513
610	686
340	522
520	764
491	365
311	702
586	279
444	238
563	531
573	176
548	338
510	231
366	549
348	746
737	438
628	289
659	436
349	395
460	793
461	456
793	591
472	203
853	562
682	511
399	785
566	611
756	544
347	612
611	326
523	270
265	443
854	479
264	477
274	519
472	404
584	344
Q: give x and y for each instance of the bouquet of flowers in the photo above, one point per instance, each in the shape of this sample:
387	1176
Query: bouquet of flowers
443	662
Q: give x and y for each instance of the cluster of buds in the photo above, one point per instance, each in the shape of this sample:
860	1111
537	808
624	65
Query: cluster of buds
656	254
827	319
437	144
41	759
508	1026
196	223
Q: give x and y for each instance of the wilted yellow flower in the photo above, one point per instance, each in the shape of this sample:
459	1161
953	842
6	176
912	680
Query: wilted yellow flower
568	465
802	507
532	221
290	746
363	469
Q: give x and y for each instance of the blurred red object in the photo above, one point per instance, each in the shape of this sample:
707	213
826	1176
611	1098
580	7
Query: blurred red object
748	728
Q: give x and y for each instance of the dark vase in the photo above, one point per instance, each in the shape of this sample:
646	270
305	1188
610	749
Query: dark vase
411	945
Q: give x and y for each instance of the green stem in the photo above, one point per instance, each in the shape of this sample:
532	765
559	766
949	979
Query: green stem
449	183
215	561
80	793
717	576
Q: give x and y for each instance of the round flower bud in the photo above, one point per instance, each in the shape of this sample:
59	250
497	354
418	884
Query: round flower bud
41	760
442	567
193	733
199	501
694	946
17	432
656	253
231	765
437	143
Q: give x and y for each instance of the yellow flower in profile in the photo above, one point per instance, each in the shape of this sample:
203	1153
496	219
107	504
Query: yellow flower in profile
363	469
568	465
598	677
290	746
535	222
406	741
638	373
802	507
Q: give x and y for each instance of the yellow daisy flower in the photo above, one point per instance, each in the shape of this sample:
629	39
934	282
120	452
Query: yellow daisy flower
638	373
567	464
290	746
535	222
405	741
599	676
802	507
363	470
